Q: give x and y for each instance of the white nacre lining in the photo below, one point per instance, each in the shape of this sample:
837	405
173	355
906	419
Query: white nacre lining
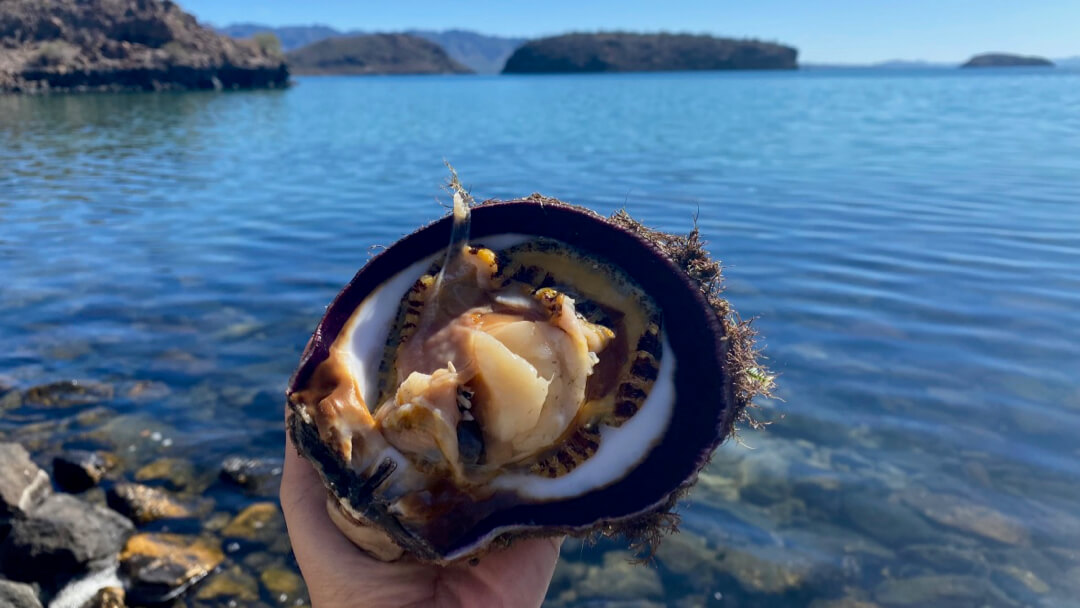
620	448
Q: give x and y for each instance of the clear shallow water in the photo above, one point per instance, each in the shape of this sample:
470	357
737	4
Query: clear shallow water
909	241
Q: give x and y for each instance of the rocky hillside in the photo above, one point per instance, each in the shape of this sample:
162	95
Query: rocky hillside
374	54
621	52
1003	60
291	36
479	52
77	45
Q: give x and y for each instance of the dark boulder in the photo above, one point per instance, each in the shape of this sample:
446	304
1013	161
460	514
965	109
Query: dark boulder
68	393
63	537
252	474
162	566
18	595
174	473
108	597
142	504
22	484
261	522
79	470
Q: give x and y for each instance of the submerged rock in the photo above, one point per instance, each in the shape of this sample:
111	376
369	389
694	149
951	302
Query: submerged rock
68	393
252	474
127	435
688	555
938	590
945	558
844	602
108	597
162	566
619	579
260	522
148	390
18	595
1019	582
885	520
23	485
175	473
217	521
955	512
282	583
79	470
231	585
75	45
142	504
771	572
63	537
10	398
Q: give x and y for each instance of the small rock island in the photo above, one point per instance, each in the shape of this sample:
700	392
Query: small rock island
85	45
1005	60
624	52
374	54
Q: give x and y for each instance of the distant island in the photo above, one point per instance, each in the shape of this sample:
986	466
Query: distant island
1001	60
79	45
891	64
374	54
624	52
481	53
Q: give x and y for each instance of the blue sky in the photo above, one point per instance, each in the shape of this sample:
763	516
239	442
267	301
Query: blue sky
846	31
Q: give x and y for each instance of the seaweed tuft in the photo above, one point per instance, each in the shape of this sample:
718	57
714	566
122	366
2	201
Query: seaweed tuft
751	378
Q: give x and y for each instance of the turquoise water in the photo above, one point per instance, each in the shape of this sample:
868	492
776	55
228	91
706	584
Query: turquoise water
909	243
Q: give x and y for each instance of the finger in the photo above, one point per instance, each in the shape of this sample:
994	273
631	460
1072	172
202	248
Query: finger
516	576
303	501
335	571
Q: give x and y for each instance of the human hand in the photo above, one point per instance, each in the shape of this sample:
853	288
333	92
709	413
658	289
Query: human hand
338	574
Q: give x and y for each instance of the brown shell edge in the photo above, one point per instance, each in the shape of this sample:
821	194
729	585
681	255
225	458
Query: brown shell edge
752	379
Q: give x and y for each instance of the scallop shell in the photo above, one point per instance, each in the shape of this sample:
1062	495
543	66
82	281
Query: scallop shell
629	483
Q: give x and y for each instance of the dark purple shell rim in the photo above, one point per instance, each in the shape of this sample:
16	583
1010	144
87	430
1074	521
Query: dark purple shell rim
705	402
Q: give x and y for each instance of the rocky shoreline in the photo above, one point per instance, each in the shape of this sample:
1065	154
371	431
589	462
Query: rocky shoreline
173	525
125	45
103	531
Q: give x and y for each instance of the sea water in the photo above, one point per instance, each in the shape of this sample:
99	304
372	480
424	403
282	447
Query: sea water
906	242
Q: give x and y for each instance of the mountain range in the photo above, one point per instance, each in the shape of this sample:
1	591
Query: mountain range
373	54
486	54
482	53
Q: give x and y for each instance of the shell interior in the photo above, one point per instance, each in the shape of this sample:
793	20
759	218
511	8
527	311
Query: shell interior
619	447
